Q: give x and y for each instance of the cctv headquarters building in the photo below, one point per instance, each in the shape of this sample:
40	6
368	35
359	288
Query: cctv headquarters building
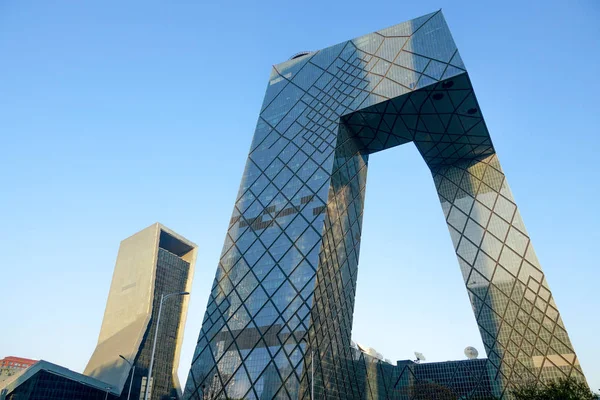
279	318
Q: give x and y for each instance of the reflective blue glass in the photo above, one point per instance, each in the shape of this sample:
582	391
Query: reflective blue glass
283	298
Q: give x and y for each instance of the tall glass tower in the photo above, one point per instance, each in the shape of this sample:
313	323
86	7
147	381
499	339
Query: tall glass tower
282	301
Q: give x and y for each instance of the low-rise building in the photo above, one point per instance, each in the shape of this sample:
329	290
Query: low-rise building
10	366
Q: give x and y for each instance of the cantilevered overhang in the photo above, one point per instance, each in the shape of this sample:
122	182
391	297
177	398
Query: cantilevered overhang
443	119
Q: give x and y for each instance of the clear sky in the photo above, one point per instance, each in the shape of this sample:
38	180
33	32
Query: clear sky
114	115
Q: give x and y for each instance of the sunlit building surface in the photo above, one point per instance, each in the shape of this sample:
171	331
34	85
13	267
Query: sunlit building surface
10	366
153	262
284	289
16	363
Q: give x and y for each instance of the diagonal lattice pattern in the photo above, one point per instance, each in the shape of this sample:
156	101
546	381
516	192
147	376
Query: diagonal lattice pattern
283	295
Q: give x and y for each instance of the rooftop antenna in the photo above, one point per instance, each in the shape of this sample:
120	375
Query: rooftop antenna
471	352
420	357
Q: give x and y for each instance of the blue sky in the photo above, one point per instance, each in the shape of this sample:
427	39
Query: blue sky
114	116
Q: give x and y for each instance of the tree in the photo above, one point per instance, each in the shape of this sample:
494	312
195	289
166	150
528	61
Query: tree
561	389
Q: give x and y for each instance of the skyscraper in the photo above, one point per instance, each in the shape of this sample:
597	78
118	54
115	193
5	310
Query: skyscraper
284	290
153	262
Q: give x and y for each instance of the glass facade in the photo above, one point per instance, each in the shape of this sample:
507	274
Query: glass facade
284	290
463	379
150	263
45	385
171	277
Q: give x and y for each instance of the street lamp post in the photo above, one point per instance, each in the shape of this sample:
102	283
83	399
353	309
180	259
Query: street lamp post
312	370
312	375
163	297
132	374
107	389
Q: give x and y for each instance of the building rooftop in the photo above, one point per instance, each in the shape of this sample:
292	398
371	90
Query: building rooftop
18	379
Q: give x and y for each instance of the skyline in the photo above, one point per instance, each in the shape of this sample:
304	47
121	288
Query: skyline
530	181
